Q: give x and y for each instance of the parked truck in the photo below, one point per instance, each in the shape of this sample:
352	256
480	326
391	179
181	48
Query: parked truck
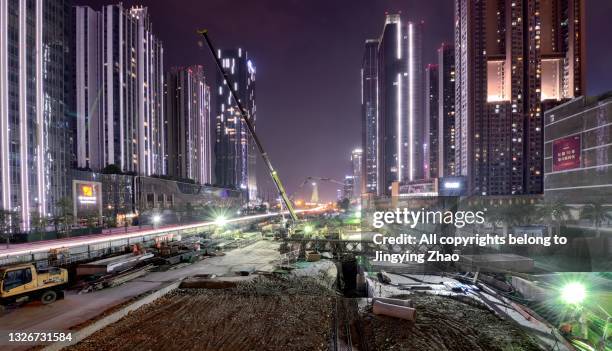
24	282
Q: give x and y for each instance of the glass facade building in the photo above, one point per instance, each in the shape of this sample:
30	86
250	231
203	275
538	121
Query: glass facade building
235	153
369	117
432	98
35	138
400	127
578	151
188	124
119	87
514	59
357	167
446	110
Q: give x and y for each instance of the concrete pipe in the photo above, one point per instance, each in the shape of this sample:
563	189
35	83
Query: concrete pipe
402	312
397	302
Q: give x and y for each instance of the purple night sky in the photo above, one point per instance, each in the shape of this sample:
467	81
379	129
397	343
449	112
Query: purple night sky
308	58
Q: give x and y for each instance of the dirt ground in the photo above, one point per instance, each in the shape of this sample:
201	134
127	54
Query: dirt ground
299	314
266	314
444	324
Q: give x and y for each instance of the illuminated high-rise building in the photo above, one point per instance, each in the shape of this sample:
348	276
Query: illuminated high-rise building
369	117
432	141
87	84
119	101
400	102
446	110
514	59
235	153
188	124
35	138
357	168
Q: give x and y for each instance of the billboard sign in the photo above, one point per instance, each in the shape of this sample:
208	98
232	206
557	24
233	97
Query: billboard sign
452	186
87	196
566	153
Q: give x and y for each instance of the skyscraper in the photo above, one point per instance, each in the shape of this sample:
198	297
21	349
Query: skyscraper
432	98
348	190
369	117
400	101
35	141
234	149
120	106
357	167
514	58
188	125
88	65
446	110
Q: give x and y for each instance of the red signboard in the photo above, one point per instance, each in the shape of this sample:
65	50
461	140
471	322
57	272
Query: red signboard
566	153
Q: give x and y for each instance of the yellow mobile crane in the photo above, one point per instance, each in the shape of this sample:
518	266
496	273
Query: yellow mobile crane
24	282
249	124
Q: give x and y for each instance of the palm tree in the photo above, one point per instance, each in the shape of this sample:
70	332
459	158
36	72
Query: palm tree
597	214
555	213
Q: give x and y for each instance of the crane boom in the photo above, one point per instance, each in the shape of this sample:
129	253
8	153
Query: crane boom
251	128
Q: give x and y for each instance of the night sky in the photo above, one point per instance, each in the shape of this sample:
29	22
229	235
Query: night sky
308	58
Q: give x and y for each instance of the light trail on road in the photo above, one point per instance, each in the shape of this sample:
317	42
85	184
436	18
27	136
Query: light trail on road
47	245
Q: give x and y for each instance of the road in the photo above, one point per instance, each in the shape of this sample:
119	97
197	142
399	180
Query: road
46	245
76	309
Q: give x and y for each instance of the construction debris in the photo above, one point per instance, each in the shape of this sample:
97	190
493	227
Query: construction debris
312	256
397	302
112	264
444	324
391	310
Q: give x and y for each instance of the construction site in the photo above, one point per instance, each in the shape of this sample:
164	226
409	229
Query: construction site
246	286
301	314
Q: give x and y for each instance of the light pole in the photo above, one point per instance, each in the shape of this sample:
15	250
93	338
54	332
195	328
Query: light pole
156	220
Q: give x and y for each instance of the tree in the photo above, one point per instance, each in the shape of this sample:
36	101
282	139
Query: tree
344	203
39	224
597	214
189	212
92	222
554	213
64	216
9	224
512	215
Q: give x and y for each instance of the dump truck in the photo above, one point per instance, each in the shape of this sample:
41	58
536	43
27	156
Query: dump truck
24	282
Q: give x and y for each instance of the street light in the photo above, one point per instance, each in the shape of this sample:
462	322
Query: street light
156	220
307	229
573	293
220	221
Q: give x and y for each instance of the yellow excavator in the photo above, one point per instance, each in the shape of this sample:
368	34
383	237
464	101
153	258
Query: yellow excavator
24	282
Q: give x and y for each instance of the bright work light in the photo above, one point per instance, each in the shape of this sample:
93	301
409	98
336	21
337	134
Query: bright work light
573	293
